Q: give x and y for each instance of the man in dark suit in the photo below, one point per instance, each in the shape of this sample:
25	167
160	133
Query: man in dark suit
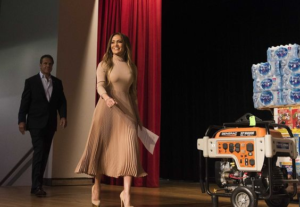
42	98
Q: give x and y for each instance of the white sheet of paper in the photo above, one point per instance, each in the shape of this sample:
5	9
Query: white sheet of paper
148	138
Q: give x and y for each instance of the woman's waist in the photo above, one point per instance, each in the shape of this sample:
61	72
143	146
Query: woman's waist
118	91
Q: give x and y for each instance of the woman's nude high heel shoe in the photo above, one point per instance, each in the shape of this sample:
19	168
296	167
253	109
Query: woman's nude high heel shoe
95	203
123	200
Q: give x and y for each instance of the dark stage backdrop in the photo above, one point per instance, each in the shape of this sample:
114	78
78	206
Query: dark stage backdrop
208	48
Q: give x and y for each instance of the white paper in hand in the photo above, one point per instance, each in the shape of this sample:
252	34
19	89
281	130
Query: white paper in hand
148	138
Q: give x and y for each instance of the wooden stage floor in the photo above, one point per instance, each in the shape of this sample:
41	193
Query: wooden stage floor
170	193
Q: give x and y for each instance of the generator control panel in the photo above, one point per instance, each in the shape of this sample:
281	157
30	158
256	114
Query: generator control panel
248	146
243	150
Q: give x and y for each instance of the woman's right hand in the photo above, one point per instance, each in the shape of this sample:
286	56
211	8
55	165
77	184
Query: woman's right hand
110	102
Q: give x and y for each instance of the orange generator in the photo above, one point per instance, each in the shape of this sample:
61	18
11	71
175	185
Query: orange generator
246	162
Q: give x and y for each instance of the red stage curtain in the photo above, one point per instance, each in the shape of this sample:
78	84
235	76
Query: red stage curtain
141	22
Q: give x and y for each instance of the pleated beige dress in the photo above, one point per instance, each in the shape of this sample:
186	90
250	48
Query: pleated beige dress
112	147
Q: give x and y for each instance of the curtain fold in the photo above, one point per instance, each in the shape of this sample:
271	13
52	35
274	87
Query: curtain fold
141	22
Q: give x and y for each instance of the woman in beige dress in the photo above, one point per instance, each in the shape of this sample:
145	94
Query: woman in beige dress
112	147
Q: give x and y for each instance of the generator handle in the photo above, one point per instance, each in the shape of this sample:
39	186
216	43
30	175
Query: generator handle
212	127
247	124
201	165
283	126
245	118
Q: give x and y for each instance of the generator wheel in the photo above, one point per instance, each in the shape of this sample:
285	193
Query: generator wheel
244	197
279	202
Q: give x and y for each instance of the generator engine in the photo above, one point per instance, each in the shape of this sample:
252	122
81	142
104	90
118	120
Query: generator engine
228	177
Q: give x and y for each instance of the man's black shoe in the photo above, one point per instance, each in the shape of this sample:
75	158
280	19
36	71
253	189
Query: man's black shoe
39	192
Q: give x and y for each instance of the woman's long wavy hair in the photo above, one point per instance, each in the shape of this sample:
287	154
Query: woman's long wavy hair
107	60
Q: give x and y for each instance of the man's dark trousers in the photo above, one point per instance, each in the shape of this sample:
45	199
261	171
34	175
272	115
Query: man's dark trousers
41	142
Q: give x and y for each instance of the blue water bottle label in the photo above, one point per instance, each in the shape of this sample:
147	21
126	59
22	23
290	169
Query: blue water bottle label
295	95
266	97
295	80
294	64
266	84
264	69
281	52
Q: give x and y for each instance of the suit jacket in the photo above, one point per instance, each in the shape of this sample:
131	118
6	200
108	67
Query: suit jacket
35	110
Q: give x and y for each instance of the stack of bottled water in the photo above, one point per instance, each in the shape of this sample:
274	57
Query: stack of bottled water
276	83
